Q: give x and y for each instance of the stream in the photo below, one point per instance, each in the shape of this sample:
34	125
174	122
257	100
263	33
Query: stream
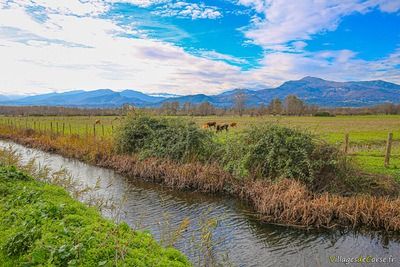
238	238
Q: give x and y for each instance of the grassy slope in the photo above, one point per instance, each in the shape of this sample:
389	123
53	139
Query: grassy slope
367	133
40	224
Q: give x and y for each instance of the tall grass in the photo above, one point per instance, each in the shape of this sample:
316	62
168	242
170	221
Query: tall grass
283	200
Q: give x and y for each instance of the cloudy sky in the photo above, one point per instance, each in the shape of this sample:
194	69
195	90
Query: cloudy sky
188	47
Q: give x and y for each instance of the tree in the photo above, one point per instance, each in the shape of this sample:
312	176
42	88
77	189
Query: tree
187	108
275	106
170	108
240	103
205	109
294	105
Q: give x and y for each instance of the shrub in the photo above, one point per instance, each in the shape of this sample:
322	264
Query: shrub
174	139
323	114
274	152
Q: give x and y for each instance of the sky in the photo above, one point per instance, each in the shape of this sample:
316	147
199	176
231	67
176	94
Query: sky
189	47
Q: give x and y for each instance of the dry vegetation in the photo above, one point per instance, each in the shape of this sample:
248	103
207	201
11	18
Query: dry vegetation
283	201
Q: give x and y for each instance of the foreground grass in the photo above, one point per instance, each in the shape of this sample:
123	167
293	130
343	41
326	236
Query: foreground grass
40	224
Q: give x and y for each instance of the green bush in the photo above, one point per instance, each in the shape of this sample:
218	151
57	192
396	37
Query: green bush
175	139
274	152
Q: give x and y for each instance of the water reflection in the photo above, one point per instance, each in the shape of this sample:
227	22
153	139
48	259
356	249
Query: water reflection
242	240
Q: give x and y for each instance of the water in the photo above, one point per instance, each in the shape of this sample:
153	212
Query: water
242	240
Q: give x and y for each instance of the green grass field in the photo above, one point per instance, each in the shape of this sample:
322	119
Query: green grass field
367	134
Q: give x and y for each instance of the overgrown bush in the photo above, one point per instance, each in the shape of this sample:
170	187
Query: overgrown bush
274	152
174	139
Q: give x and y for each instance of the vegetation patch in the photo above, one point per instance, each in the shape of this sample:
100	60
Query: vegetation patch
175	139
41	225
320	199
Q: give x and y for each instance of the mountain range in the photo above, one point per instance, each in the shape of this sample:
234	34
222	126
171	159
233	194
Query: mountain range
312	90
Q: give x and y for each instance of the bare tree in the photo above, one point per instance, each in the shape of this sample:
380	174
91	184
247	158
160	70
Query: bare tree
294	105
275	107
240	103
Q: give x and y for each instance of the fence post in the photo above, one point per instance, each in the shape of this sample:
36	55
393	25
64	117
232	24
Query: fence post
94	130
63	128
51	127
346	143
388	149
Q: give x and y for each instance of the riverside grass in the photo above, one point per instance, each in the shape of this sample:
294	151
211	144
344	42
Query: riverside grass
283	201
368	133
40	224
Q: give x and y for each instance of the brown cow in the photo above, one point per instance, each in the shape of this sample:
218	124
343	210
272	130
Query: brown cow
212	124
98	122
233	124
222	127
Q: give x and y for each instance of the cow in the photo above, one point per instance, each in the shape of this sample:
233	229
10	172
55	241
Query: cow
98	122
233	124
222	127
211	124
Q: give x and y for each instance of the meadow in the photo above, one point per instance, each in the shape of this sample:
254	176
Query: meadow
367	134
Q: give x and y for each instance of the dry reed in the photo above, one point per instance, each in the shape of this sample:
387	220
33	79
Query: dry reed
285	202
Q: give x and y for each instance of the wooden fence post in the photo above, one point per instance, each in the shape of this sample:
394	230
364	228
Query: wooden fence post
51	127
94	130
346	143
63	128
388	149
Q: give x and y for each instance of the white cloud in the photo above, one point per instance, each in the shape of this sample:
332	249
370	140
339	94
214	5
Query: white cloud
218	56
284	21
68	52
188	10
340	65
140	3
75	48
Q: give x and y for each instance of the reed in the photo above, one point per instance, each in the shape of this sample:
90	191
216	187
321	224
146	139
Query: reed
283	201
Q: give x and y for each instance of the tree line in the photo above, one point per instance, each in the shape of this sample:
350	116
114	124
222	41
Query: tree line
291	105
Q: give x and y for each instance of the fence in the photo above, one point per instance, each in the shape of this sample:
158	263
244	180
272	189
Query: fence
388	147
61	127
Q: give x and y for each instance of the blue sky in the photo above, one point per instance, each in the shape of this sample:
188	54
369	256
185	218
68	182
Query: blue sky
187	47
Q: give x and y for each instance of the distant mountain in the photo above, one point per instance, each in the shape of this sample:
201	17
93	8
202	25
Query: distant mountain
92	99
312	90
9	97
336	94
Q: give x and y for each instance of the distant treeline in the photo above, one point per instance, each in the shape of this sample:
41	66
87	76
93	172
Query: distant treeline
56	111
291	105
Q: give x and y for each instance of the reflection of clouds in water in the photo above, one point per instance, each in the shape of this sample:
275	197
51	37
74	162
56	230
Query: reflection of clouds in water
238	233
